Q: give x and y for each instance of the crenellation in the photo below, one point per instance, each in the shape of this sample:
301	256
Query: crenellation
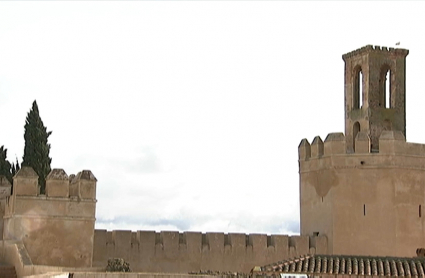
334	154
317	148
392	142
233	251
25	182
216	242
376	48
170	242
304	150
57	184
84	185
122	243
362	143
334	144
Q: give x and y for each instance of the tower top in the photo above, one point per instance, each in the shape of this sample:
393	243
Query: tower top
375	89
376	49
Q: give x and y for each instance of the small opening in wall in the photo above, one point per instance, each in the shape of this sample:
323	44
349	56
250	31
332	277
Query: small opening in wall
364	209
315	233
420	210
387	89
322	199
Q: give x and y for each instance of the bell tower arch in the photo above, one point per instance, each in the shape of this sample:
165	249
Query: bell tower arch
369	102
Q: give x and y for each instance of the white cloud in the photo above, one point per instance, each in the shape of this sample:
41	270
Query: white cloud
190	113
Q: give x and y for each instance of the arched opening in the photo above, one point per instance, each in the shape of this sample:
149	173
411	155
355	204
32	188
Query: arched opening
358	88
385	87
388	90
356	129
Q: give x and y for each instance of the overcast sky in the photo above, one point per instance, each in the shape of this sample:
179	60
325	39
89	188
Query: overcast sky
189	114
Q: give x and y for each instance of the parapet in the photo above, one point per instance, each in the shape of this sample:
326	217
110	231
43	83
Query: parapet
58	184
390	142
376	49
171	251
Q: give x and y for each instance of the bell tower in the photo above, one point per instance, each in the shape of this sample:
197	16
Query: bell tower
375	90
364	190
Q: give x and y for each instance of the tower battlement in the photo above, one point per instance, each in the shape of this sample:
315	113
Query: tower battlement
376	49
391	143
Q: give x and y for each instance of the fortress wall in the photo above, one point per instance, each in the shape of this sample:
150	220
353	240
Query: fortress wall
167	251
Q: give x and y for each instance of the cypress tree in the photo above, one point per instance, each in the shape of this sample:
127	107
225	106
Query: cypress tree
15	168
37	149
5	167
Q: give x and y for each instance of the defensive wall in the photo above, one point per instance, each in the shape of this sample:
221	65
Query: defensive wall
149	251
367	203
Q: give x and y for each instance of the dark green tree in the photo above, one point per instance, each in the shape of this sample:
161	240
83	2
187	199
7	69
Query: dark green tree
15	168
5	167
37	149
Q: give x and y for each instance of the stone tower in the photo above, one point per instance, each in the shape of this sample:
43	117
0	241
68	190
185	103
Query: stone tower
368	105
57	228
365	189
